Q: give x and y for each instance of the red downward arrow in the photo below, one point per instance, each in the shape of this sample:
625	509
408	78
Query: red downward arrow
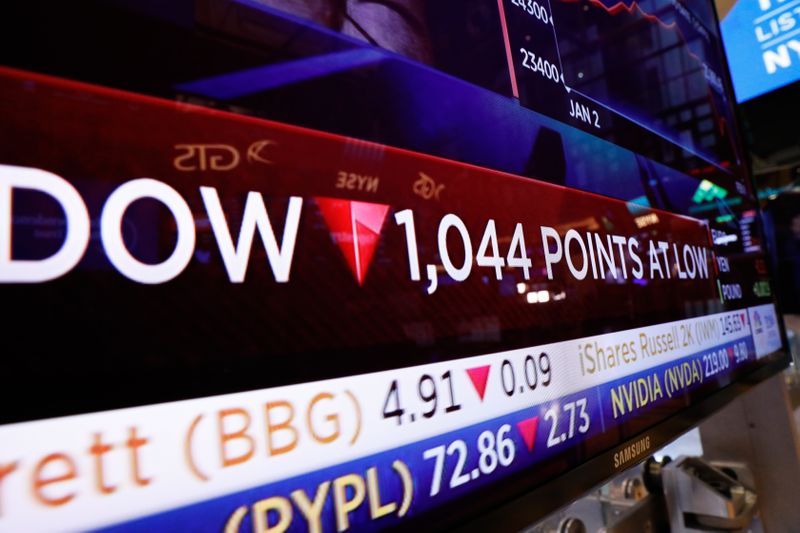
479	375
356	228
527	428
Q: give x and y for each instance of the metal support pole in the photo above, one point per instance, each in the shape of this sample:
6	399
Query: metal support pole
759	430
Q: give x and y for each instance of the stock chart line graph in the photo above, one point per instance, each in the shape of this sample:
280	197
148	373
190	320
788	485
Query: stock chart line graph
648	62
635	8
630	8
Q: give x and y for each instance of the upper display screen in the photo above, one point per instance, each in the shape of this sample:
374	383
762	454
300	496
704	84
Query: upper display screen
633	72
352	265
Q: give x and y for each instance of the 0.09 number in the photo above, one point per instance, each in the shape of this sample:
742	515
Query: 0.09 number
534	373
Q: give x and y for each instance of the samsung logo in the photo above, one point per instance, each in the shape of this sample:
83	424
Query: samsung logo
631	452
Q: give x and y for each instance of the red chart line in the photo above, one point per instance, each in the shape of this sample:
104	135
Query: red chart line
620	7
509	57
634	7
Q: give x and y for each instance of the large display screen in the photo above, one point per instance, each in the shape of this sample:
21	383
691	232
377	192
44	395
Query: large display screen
761	38
343	266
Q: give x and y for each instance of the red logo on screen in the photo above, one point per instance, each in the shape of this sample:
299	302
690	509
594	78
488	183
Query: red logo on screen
356	228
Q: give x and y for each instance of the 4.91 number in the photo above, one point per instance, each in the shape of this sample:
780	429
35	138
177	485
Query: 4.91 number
428	393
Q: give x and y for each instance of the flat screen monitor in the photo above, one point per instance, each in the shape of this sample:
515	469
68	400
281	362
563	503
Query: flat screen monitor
762	39
347	265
